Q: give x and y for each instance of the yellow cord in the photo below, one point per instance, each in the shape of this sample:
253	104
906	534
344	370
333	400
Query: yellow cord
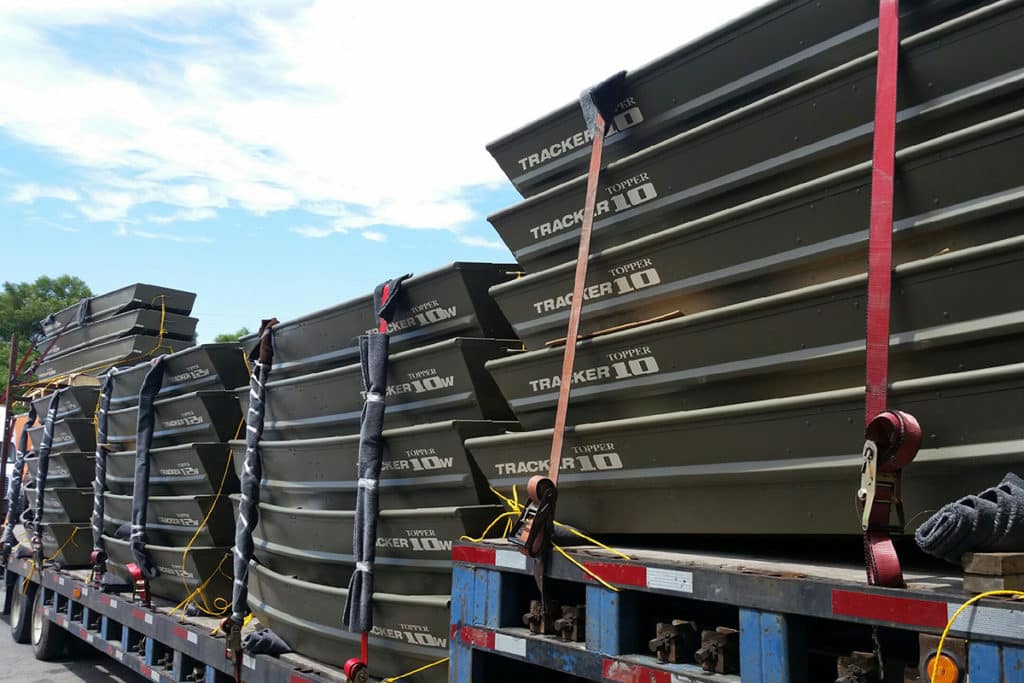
415	671
952	619
517	509
51	558
490	526
220	605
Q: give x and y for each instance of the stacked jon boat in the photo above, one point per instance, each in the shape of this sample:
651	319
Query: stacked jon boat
189	526
722	370
116	328
444	331
81	343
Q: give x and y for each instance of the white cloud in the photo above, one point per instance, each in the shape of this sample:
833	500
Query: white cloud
374	236
317	108
29	192
124	231
182	215
315	232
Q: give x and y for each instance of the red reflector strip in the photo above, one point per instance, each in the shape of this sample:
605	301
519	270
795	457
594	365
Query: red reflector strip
477	637
622	574
621	672
471	555
145	670
138	614
907	611
181	632
296	678
83	634
104	599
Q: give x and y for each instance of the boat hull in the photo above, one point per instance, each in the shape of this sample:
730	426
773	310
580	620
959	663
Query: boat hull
408	632
97	359
174	521
198	416
69	434
81	401
956	191
414	547
67	469
63	505
139	321
443	381
717	471
764	51
138	295
793	343
754	152
177	579
448	302
423	466
68	545
192	469
200	368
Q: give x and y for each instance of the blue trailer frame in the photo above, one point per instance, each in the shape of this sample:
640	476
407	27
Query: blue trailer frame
493	582
161	647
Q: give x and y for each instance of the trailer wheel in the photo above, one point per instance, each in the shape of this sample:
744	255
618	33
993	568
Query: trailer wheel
10	581
49	641
21	612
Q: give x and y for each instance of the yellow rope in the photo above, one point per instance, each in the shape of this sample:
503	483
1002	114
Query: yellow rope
490	526
517	509
218	608
583	568
415	671
245	622
952	619
51	558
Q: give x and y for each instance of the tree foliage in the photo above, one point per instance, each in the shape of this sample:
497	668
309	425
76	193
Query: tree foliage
23	304
233	336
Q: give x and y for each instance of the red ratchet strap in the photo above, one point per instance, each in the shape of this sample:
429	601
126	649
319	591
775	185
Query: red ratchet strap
575	309
892	437
382	325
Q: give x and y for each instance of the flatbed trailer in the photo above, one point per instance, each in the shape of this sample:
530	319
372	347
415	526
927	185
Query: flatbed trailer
161	647
781	609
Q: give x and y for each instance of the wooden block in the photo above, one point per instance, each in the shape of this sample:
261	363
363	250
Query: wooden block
993	564
979	583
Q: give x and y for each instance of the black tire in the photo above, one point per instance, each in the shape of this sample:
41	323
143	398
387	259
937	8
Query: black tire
49	641
10	582
21	612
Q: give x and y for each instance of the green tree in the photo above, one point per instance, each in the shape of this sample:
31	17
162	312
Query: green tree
233	336
23	304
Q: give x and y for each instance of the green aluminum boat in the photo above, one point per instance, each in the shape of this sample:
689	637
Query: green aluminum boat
409	631
717	470
448	302
174	520
67	469
443	381
949	312
423	466
191	469
198	416
414	547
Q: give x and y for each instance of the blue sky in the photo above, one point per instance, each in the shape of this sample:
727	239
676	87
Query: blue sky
279	157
